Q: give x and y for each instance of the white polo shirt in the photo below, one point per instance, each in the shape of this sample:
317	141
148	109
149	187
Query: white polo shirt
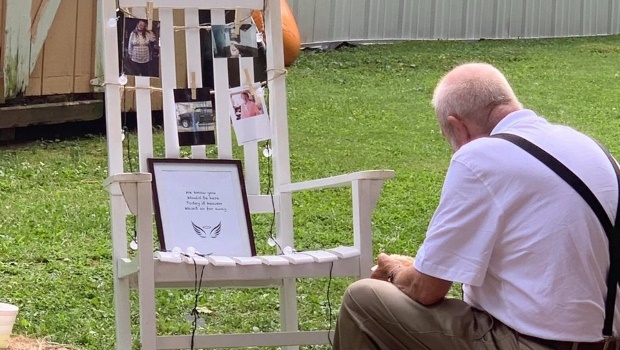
528	249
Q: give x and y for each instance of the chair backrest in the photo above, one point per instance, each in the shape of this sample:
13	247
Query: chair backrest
179	39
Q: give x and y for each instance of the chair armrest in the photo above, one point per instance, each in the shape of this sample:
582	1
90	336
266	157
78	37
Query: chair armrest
338	180
126	177
126	185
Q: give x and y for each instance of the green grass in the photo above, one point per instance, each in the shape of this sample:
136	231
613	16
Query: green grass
353	109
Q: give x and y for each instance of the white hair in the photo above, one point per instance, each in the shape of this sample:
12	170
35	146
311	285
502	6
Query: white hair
471	91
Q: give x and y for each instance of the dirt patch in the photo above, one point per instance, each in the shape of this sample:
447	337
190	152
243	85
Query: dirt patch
23	343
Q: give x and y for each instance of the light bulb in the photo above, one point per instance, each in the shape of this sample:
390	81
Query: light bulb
122	135
176	252
260	92
190	251
267	152
122	79
112	22
288	250
271	242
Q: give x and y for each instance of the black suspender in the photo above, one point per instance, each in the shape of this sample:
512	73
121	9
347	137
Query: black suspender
612	230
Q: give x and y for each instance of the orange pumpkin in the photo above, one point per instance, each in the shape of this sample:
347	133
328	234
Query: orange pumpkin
290	33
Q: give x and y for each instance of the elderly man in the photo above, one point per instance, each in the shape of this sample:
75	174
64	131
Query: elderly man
531	254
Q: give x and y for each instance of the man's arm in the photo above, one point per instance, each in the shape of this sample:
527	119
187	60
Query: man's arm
420	287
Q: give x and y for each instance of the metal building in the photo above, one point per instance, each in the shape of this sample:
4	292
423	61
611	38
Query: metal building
328	21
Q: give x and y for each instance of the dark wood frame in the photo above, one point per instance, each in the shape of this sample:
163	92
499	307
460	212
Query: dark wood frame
151	162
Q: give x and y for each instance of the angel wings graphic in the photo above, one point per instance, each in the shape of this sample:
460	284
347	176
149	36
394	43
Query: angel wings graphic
206	231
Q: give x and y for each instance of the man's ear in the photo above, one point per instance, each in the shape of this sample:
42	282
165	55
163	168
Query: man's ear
383	259
460	130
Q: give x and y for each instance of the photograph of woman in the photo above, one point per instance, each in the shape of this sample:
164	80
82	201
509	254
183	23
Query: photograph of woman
141	49
249	108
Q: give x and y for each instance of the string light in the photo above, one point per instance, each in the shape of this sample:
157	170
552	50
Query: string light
112	21
267	151
122	80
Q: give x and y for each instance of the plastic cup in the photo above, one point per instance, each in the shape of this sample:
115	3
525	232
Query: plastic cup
8	313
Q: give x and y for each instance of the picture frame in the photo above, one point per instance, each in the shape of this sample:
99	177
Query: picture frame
202	203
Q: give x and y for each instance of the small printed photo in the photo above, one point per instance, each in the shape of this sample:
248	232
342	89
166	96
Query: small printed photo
195	118
249	114
226	44
140	48
246	104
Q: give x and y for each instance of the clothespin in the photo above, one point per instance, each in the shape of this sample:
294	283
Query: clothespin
192	84
149	14
237	22
248	80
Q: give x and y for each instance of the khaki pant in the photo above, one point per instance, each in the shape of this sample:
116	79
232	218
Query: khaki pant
377	315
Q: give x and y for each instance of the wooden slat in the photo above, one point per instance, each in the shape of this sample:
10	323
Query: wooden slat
178	19
222	98
168	82
16	49
35	82
145	126
2	38
194	67
59	51
43	13
84	47
112	92
143	106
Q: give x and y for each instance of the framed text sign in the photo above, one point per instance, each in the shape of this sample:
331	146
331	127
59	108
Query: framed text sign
202	203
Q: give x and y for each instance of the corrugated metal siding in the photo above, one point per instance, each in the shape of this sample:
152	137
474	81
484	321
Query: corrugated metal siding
324	21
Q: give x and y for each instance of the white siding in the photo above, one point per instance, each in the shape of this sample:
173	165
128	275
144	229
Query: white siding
324	21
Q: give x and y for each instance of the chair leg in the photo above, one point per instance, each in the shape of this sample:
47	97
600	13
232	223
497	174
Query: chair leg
122	309
122	314
146	279
288	308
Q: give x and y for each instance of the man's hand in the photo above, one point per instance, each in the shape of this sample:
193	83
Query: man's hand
388	265
401	272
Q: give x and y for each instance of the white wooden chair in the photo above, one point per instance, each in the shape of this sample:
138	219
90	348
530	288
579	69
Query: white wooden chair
130	192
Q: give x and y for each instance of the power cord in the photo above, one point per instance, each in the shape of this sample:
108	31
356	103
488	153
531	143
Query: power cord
194	312
329	304
267	153
125	132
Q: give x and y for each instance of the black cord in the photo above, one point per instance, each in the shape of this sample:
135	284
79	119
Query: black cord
125	130
128	146
195	313
273	206
329	304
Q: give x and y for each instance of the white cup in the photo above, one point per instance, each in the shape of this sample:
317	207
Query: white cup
8	313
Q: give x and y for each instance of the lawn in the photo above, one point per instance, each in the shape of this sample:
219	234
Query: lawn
352	109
